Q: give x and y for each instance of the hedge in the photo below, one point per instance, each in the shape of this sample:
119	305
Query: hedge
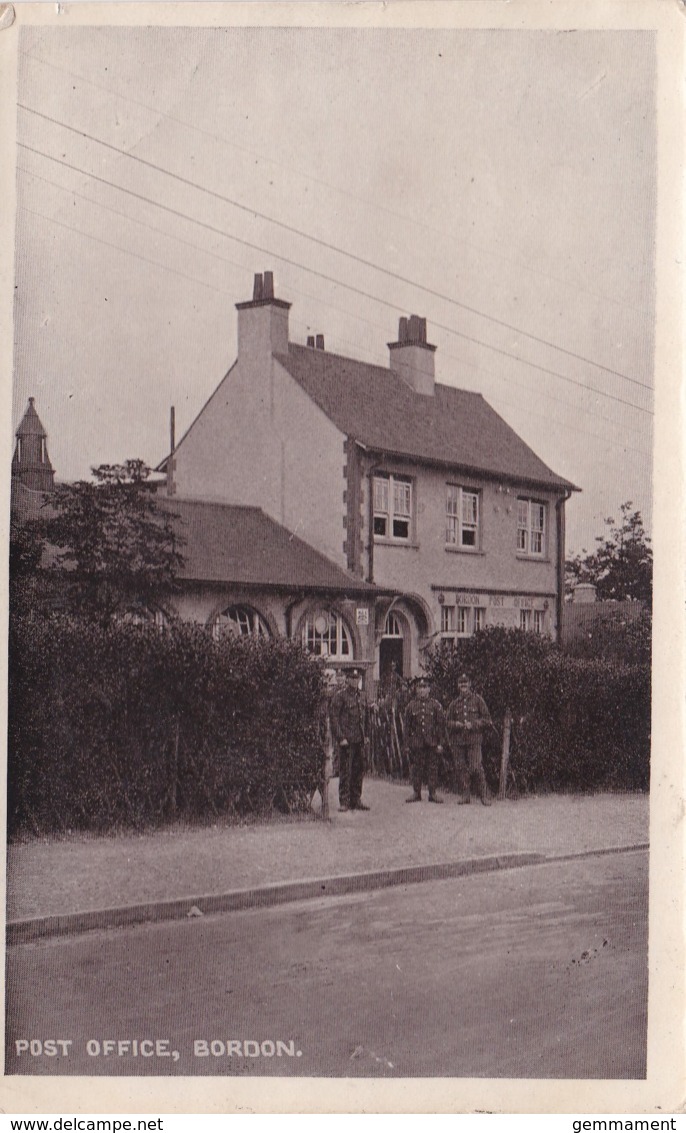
129	726
578	724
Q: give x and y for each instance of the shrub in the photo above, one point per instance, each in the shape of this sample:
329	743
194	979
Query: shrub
578	724
127	726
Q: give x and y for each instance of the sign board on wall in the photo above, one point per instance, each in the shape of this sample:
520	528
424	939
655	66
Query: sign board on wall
498	601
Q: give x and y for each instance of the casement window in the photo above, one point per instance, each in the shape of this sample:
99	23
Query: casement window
539	623
325	634
239	621
525	620
461	517
392	507
461	621
531	527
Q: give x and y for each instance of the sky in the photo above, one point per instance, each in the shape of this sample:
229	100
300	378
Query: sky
502	184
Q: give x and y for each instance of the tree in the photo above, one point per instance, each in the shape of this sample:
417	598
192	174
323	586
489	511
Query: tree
621	567
27	578
115	543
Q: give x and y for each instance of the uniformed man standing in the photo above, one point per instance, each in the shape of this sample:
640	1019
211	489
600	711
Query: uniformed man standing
348	727
467	718
424	730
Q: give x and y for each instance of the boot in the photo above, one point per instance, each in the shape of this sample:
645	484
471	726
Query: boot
435	799
415	798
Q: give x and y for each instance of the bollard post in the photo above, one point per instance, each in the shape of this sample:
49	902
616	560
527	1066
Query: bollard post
505	754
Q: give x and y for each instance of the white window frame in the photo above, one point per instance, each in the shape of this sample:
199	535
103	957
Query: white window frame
525	620
532	538
479	616
325	634
393	626
460	621
393	503
241	621
457	525
538	622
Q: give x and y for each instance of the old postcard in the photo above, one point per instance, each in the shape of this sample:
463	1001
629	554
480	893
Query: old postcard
343	445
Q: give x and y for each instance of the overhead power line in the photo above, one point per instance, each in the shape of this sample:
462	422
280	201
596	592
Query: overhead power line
322	275
317	298
333	247
307	175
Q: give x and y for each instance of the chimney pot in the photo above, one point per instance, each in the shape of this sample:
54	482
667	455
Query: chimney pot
413	328
310	340
422	330
257	287
268	288
320	342
402	329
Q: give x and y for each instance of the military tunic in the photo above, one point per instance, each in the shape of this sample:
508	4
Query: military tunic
424	729
347	723
467	717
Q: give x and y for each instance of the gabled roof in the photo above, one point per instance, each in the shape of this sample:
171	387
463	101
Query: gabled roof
454	427
236	544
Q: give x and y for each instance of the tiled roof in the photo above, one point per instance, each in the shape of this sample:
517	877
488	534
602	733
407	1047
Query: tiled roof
231	543
454	427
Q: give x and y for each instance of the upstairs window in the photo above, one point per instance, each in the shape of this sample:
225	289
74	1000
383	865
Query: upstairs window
462	517
531	527
392	507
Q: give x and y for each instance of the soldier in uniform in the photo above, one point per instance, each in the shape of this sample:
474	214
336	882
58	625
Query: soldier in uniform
424	730
348	727
466	720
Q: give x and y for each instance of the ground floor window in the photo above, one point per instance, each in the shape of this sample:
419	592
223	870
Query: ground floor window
139	615
325	634
239	621
461	621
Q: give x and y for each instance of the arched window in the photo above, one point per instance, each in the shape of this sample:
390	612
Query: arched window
326	635
139	615
392	627
239	621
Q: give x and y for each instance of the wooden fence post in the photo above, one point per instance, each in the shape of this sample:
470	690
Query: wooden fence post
505	754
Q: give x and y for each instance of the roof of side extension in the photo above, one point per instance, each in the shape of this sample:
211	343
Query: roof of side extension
454	427
231	543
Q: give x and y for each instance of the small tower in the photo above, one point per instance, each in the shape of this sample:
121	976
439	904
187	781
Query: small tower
31	465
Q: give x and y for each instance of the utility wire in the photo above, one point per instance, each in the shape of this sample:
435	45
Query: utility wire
219	291
329	279
327	184
308	295
332	247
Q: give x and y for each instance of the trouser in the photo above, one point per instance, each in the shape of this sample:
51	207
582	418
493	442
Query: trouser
350	773
424	769
469	767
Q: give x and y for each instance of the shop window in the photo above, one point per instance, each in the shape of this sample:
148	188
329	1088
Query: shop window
239	621
325	634
392	507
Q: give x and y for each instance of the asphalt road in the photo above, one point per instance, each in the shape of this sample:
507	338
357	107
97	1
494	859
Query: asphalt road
535	972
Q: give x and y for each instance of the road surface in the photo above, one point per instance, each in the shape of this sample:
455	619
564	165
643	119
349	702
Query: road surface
532	972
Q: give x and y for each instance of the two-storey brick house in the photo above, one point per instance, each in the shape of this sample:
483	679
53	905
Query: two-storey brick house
439	517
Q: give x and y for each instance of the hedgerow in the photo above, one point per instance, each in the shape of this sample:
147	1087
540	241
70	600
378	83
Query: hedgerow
128	726
578	724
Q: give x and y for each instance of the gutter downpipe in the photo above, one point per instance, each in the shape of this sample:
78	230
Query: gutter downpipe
560	523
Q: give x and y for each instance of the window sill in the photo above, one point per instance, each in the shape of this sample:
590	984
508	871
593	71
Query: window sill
452	550
532	558
384	541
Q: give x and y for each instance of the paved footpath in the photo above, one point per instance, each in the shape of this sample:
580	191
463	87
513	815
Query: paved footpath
80	874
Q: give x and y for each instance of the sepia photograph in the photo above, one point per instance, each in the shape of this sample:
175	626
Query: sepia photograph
330	499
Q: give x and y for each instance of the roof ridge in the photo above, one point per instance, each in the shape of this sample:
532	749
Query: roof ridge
374	366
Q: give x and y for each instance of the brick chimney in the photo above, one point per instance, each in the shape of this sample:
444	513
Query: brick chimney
412	357
263	320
